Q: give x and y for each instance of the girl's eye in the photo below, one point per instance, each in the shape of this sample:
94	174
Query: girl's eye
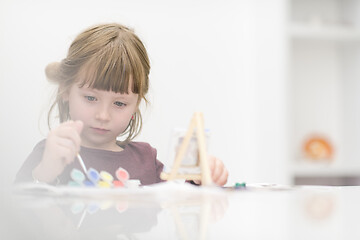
119	104
90	98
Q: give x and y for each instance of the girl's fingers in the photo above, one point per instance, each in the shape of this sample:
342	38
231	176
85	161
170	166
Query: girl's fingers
70	133
67	149
64	156
218	167
218	171
62	145
221	181
64	142
219	174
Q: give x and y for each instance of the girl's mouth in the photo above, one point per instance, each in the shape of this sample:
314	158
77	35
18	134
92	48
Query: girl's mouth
100	130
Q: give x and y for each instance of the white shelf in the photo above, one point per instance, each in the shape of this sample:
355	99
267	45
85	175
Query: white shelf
319	32
322	169
324	55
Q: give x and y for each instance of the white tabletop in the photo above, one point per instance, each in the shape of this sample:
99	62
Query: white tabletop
181	211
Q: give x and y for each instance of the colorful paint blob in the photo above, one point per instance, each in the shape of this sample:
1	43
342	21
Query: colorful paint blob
93	175
103	184
107	177
77	175
122	174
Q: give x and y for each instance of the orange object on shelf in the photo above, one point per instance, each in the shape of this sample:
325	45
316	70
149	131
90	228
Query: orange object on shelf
318	148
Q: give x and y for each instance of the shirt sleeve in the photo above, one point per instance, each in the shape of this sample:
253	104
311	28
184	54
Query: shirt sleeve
25	172
159	168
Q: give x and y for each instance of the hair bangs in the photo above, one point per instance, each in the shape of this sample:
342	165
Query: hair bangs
110	70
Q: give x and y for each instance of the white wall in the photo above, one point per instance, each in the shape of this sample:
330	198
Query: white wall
224	58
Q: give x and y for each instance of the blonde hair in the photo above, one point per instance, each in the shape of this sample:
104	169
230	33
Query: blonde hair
106	57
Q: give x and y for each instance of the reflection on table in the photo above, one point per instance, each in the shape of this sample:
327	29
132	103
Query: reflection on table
182	211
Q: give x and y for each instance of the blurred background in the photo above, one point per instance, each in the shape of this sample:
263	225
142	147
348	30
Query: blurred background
277	81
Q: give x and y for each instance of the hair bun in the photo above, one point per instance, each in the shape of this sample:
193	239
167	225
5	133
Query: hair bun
52	72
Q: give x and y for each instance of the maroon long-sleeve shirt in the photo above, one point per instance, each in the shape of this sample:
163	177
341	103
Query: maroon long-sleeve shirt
138	158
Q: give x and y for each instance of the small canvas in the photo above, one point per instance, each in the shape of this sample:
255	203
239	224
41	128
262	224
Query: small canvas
190	162
190	151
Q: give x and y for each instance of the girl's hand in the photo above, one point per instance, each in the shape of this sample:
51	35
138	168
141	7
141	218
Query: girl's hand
219	173
62	145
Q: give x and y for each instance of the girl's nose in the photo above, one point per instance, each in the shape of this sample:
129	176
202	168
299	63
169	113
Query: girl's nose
103	114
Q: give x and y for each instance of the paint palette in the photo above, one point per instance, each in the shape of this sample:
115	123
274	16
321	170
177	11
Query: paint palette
102	179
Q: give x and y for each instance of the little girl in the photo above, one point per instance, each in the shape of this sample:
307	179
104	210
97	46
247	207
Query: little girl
101	83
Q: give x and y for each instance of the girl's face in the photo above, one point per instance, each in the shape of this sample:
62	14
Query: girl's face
105	115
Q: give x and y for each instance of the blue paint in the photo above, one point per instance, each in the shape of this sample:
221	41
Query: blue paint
88	183
93	175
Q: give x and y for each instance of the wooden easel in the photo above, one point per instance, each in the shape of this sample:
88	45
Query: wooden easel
196	124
